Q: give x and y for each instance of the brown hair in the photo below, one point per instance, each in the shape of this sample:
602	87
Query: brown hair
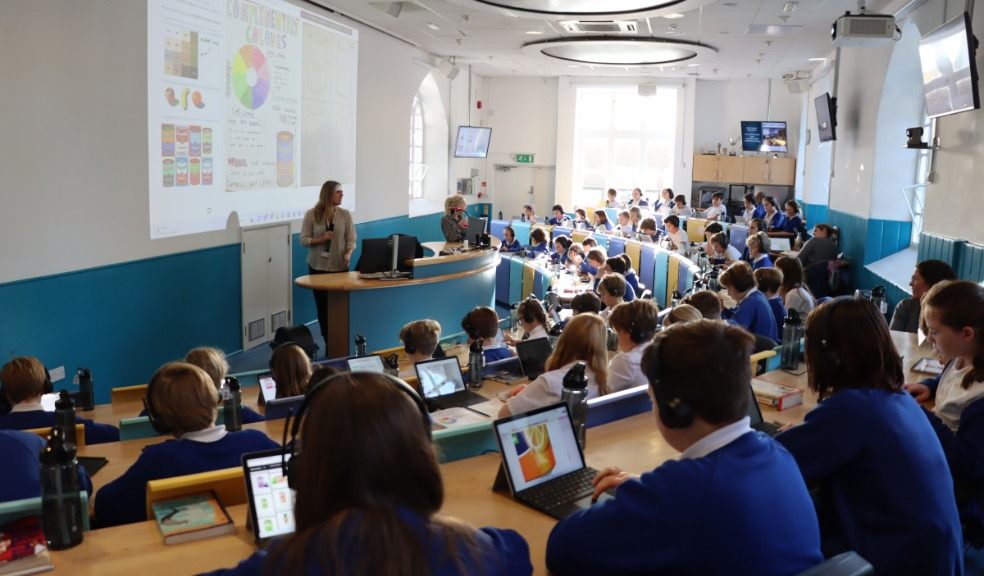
768	279
602	216
738	276
794	205
324	200
612	192
642	313
212	361
345	498
672	220
681	314
531	308
584	338
717	391
421	335
648	224
597	254
482	322
538	235
23	378
184	398
614	284
681	199
707	303
848	346
935	271
291	370
720	239
961	304
589	241
792	273
586	302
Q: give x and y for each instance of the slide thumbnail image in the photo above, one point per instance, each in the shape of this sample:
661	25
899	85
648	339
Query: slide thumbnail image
535	454
181	53
186	155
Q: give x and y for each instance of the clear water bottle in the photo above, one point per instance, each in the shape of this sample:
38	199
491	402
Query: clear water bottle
61	505
713	284
86	395
702	262
575	395
676	298
232	407
476	360
65	417
360	345
792	335
878	299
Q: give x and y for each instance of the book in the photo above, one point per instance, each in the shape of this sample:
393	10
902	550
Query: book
776	395
194	517
457	417
23	549
928	366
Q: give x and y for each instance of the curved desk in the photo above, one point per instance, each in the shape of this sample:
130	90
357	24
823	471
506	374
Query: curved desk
443	288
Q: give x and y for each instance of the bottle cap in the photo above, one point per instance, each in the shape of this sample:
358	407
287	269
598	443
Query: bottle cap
575	377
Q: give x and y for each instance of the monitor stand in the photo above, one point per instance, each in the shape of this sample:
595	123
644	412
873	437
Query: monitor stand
394	273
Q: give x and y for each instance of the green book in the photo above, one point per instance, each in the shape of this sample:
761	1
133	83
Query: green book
194	517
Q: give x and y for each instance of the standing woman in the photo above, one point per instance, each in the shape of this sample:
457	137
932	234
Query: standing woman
328	233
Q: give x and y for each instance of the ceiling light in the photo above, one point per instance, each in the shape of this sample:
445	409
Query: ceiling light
433	26
730	4
534	32
673	16
816	59
596	7
620	51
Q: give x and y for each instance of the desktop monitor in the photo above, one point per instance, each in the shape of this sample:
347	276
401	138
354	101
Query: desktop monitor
377	254
948	68
763	136
472	142
476	227
826	117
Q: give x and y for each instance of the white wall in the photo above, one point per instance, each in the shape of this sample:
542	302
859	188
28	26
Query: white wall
721	105
818	156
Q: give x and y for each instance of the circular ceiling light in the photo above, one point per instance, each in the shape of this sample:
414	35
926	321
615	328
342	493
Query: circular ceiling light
595	7
615	51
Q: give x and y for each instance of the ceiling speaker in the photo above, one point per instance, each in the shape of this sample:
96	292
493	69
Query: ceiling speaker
448	69
798	86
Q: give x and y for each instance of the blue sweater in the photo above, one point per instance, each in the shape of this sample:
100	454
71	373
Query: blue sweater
777	221
124	500
514	246
501	553
587	268
761	263
21	453
540	248
759	211
794	225
94	433
884	488
633	281
742	509
755	315
779	311
493	354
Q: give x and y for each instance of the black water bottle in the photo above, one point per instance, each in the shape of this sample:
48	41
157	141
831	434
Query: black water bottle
476	359
86	396
500	214
575	395
232	406
65	417
61	505
360	345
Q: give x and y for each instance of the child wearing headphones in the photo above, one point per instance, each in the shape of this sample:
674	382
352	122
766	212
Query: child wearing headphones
613	289
733	503
795	295
954	315
559	218
562	245
509	241
213	362
538	242
529	211
482	323
594	261
290	368
420	338
679	241
182	401
634	324
24	381
625	228
648	232
601	222
623	265
884	485
720	250
532	319
753	312
581	219
758	250
768	281
584	339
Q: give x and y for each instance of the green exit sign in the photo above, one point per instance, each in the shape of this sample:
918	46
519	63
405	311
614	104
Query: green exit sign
524	158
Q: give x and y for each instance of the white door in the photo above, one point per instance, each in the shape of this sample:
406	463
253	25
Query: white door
266	281
519	185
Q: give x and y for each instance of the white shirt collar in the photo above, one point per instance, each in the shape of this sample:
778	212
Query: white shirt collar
208	435
27	407
747	294
718	439
538	332
760	257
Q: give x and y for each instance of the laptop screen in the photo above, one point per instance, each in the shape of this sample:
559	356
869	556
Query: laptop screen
533	356
538	446
779	244
267	386
271	500
371	363
440	377
754	412
340	364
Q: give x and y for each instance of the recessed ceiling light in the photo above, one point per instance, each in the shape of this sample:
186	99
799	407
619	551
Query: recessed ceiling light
620	51
817	59
724	32
673	16
433	26
692	65
596	7
534	32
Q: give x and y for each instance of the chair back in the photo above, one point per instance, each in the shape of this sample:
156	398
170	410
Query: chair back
618	405
46	431
228	484
14	510
280	407
465	441
123	394
134	428
846	564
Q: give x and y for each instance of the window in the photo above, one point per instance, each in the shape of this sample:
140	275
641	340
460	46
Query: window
417	167
915	195
624	140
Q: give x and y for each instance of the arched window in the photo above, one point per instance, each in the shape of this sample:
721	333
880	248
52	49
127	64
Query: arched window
417	167
428	153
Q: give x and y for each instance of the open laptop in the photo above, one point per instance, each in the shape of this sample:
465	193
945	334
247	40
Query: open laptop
779	244
533	356
267	386
476	227
443	385
370	363
271	501
755	416
543	463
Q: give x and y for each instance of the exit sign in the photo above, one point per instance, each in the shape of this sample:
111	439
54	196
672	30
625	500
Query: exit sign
524	158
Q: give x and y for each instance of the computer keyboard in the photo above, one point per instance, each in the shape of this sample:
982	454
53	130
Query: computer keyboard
562	490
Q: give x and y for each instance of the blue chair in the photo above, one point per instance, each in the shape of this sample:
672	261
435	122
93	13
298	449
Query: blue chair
465	441
560	231
846	564
618	405
739	233
280	407
502	282
14	510
496	227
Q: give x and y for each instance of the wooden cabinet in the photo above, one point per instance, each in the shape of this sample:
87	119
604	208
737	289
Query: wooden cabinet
782	171
731	169
756	170
705	168
745	170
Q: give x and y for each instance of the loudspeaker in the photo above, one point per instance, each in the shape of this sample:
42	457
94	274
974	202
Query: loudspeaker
448	69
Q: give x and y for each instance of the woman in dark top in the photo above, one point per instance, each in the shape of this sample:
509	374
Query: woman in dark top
454	224
927	274
822	248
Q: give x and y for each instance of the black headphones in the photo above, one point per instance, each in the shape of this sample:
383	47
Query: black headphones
290	448
466	324
527	315
408	347
674	412
637	334
155	422
832	357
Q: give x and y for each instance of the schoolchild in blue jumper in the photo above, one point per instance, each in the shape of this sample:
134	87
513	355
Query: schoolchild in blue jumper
21	454
793	222
954	317
774	217
559	218
509	241
623	265
768	281
759	205
369	492
754	227
601	222
581	221
733	503
561	246
482	323
23	384
183	402
538	242
758	250
883	485
753	312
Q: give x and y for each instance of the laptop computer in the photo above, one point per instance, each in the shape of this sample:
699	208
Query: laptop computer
443	385
533	356
370	363
267	386
340	364
779	244
271	501
543	463
476	227
755	416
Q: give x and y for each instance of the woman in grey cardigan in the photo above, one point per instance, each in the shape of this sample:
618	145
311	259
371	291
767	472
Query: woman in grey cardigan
927	274
329	234
455	222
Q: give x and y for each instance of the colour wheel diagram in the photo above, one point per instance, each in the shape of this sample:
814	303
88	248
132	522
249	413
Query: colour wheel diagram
250	77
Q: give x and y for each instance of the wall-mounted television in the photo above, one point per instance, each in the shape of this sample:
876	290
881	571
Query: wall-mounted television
826	117
472	142
948	68
763	136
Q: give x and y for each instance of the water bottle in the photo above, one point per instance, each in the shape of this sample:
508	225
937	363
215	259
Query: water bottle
61	505
878	299
713	284
232	407
702	259
360	345
676	298
65	417
575	395
86	399
500	214
476	360
792	334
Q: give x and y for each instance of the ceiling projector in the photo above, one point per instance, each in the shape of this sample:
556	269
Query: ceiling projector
854	30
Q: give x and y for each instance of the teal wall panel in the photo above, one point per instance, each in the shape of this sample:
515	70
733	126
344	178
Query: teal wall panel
934	247
972	263
816	214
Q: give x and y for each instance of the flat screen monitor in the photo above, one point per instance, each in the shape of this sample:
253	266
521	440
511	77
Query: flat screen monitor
377	254
948	68
763	136
476	227
826	117
472	142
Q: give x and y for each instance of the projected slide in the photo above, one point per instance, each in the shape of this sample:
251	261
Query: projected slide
251	108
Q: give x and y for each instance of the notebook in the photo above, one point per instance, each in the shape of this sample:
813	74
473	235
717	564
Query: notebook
533	356
267	386
370	363
271	501
543	463
755	416
443	385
